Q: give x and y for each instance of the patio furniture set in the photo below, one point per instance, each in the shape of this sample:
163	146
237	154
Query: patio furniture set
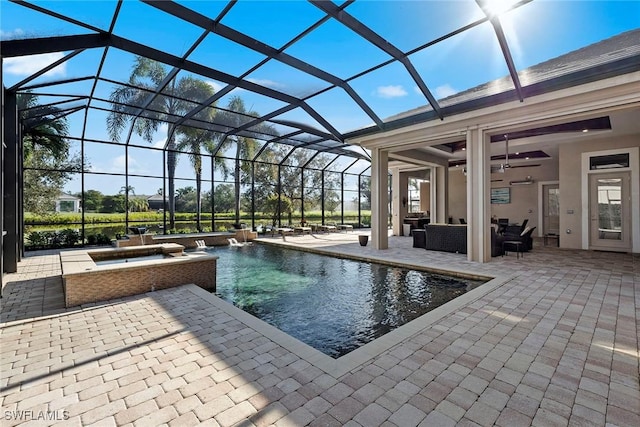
453	238
309	228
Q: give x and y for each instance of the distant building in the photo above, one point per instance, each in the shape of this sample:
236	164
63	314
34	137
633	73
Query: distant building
156	202
68	203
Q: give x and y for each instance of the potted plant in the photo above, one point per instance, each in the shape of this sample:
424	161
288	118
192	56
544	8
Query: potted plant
363	239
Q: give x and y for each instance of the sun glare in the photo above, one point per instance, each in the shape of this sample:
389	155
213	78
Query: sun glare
513	22
498	7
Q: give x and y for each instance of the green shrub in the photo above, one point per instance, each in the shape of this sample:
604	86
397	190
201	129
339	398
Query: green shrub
69	237
98	239
54	239
103	239
37	239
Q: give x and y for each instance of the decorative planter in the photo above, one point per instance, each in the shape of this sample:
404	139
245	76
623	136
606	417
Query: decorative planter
363	240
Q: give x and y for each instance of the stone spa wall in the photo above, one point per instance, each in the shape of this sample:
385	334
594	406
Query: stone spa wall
85	282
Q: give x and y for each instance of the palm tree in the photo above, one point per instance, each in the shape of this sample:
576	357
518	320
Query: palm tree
246	147
146	77
41	127
192	141
138	204
126	189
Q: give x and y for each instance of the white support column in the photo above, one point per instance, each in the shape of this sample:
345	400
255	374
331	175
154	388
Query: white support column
399	191
478	196
439	177
442	194
379	198
433	204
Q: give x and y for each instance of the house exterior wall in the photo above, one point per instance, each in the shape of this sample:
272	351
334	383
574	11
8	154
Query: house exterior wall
524	198
457	194
571	182
425	196
67	203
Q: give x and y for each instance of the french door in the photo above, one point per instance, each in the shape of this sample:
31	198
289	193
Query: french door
610	211
551	209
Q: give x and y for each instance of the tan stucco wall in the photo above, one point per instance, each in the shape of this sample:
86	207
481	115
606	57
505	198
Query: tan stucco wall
571	182
524	198
425	196
457	194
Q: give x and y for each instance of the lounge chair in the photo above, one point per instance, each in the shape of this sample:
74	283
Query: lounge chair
344	227
302	230
201	245
329	227
283	231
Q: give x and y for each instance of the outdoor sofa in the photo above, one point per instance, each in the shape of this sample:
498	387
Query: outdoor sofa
450	238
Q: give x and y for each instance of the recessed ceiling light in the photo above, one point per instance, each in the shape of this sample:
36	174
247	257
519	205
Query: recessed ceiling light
585	130
464	148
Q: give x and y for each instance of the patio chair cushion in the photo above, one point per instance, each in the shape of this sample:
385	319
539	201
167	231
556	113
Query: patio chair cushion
450	238
525	231
446	237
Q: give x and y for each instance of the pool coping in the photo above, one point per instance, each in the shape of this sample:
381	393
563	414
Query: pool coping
465	274
350	361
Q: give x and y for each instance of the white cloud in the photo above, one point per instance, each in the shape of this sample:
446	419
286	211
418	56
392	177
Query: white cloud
118	165
27	65
162	130
444	91
268	83
390	91
160	143
9	35
215	85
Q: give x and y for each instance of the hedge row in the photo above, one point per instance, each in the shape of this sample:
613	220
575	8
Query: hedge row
101	218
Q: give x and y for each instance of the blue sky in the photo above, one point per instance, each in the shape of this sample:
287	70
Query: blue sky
537	31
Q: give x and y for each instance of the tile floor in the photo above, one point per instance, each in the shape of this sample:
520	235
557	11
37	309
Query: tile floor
554	343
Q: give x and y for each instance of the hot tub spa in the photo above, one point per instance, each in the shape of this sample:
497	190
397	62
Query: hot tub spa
97	275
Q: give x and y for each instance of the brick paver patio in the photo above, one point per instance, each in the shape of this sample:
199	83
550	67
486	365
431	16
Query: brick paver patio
555	344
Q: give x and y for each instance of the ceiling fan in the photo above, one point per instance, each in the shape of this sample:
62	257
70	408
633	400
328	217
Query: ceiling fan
503	166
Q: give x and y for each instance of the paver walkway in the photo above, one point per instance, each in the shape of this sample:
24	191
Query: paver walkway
555	344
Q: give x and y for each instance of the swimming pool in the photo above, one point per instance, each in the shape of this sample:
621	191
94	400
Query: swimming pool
335	305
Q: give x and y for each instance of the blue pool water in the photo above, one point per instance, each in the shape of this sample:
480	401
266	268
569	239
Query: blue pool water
334	305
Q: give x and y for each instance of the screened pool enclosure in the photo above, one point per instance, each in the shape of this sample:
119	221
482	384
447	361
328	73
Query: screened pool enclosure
187	116
219	168
153	140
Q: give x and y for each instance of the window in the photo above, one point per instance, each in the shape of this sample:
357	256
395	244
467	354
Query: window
612	161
